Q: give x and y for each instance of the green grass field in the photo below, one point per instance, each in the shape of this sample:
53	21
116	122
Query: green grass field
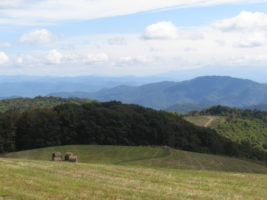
206	121
155	157
43	180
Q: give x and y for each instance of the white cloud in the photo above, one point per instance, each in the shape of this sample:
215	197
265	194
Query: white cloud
169	31
3	58
38	36
5	44
27	60
255	39
244	21
10	3
29	11
161	30
54	57
246	30
97	58
161	54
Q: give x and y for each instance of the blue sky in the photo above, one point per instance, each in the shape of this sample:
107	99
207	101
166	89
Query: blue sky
115	37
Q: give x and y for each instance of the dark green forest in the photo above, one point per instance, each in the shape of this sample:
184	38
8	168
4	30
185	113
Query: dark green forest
111	123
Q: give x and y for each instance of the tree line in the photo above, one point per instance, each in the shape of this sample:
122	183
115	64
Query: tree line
111	123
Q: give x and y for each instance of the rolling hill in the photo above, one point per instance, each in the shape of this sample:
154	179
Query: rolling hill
208	90
146	156
111	123
247	127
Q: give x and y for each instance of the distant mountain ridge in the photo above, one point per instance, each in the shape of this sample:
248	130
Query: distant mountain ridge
206	90
23	104
32	86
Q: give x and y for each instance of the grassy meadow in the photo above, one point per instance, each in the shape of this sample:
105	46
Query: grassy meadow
32	179
145	156
206	121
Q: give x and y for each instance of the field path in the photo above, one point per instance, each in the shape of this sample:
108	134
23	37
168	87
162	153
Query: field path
211	119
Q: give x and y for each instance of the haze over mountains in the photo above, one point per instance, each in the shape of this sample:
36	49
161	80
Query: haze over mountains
31	86
207	90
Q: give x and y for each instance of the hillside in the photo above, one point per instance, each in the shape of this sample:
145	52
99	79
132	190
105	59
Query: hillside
23	104
208	90
112	123
146	156
24	179
247	127
206	120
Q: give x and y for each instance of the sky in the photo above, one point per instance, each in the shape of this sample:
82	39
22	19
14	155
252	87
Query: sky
132	37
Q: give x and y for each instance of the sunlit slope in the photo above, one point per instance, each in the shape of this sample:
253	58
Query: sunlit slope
163	157
28	179
237	129
206	121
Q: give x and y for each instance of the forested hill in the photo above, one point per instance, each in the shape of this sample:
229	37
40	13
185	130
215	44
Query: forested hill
111	123
246	127
235	112
208	90
186	108
23	104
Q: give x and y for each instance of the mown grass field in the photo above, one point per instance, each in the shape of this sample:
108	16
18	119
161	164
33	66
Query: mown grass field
206	121
155	157
32	179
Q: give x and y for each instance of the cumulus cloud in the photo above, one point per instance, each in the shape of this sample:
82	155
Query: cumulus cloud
161	30
159	53
248	29
169	31
3	58
255	39
54	56
244	21
38	36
